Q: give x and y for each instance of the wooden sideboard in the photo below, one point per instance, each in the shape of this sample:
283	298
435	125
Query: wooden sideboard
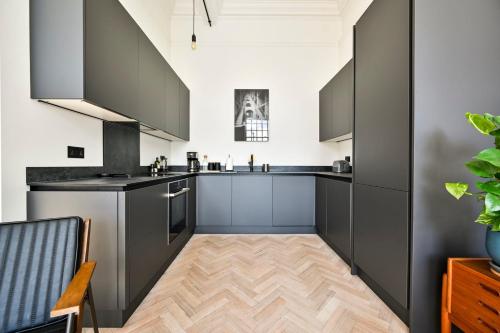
470	296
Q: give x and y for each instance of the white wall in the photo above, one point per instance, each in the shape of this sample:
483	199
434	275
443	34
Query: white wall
34	134
293	57
350	15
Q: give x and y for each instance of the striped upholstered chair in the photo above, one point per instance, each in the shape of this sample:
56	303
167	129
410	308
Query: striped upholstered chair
45	275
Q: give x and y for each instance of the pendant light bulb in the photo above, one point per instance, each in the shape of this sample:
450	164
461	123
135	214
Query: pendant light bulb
193	42
193	37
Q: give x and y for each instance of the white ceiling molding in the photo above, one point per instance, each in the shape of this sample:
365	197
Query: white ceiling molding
219	8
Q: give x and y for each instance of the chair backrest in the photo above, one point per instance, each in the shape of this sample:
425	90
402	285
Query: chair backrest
37	261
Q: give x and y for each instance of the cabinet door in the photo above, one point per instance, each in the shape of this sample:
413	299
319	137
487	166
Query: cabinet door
338	228
111	57
326	112
192	203
342	101
103	246
152	102
172	100
381	238
321	205
293	201
147	218
184	107
214	201
252	201
382	95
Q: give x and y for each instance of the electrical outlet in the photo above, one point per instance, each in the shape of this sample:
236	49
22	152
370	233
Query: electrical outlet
76	152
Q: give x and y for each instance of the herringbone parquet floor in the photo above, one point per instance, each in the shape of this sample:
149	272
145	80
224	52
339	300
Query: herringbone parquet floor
260	283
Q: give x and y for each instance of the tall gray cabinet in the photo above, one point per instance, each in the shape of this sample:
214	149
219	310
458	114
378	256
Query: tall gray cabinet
419	67
91	57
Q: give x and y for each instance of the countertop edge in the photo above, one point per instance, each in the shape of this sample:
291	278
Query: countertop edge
64	186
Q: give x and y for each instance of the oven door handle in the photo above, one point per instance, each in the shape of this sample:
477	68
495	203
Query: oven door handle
176	194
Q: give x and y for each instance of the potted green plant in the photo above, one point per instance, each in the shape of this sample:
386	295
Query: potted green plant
486	165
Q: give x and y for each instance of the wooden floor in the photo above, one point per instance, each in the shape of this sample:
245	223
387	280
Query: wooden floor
260	283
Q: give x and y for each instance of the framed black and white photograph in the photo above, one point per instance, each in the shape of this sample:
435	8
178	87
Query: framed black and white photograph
251	115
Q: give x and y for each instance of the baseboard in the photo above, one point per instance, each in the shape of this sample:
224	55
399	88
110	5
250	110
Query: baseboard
400	311
254	230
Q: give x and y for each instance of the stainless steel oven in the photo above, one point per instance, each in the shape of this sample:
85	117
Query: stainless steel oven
177	208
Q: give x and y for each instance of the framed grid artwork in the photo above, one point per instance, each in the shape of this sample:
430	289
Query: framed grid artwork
251	115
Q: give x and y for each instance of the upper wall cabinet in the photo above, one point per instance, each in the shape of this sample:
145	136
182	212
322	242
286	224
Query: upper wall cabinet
90	56
111	58
336	107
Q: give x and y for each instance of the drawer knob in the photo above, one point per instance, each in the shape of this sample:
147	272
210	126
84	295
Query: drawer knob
487	325
488	307
490	290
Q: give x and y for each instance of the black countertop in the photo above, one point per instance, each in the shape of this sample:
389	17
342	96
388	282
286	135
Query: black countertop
126	184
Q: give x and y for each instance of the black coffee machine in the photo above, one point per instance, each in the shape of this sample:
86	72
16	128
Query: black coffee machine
193	165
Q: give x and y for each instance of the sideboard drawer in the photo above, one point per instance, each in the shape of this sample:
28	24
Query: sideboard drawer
474	297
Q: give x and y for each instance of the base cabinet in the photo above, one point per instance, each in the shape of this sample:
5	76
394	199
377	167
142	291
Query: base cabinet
293	200
257	203
129	241
338	216
333	214
321	205
252	201
214	201
192	182
146	212
381	238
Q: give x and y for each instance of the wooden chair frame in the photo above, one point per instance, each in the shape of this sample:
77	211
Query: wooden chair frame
79	290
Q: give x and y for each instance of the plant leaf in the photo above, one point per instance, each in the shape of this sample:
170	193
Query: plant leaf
482	168
489	187
484	218
495	225
495	119
491	220
490	155
492	203
481	123
456	189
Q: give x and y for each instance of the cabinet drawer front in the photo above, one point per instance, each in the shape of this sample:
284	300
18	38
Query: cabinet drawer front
475	299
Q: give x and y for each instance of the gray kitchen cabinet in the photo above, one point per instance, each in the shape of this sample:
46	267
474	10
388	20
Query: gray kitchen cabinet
192	203
333	214
172	93
336	105
380	235
152	102
338	212
214	200
252	201
184	107
382	143
89	56
293	200
101	208
321	205
129	242
111	57
326	112
343	102
147	213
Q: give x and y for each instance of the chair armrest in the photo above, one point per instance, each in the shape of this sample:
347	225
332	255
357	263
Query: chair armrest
74	295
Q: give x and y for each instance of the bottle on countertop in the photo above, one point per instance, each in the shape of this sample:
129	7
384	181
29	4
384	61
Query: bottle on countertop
204	163
229	163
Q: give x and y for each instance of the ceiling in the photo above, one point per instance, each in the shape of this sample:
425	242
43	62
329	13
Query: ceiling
217	8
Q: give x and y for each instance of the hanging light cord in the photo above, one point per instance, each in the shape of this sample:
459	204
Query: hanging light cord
193	17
